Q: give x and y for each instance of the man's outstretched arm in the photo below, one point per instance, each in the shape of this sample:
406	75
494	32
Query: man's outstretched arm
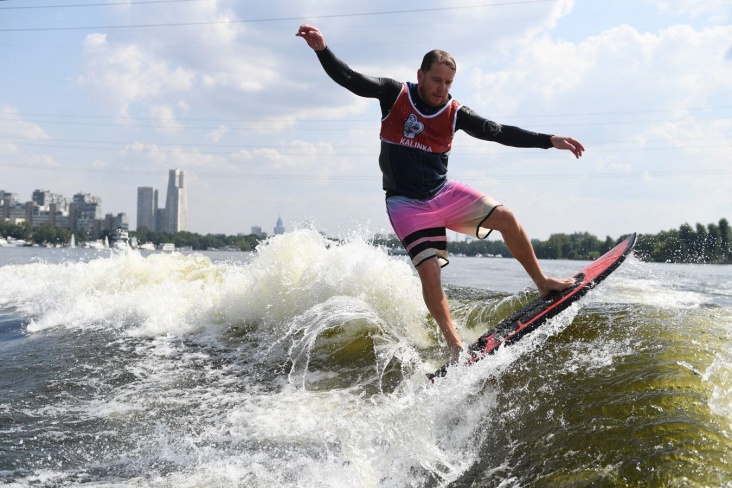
385	89
487	130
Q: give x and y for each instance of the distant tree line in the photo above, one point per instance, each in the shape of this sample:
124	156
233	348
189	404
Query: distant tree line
48	234
198	242
559	246
700	244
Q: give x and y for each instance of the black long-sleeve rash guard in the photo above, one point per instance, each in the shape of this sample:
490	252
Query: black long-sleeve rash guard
407	171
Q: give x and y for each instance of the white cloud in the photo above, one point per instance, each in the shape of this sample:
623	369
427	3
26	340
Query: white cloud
716	11
164	118
217	134
12	125
655	67
244	75
138	154
122	74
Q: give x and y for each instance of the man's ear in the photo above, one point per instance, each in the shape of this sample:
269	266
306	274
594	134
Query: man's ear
420	76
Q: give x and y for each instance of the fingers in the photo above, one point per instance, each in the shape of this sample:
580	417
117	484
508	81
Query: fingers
312	36
572	145
306	29
577	148
574	149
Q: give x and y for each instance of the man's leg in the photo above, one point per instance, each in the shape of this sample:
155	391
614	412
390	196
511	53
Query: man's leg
518	243
434	297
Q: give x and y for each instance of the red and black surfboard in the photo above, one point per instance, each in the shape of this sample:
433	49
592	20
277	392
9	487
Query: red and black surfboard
540	310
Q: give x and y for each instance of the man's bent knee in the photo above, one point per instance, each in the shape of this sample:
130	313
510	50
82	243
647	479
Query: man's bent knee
502	219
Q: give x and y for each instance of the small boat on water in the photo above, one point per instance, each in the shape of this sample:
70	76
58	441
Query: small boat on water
167	247
13	242
98	244
121	240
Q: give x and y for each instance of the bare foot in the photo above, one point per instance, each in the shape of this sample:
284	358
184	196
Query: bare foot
552	284
455	351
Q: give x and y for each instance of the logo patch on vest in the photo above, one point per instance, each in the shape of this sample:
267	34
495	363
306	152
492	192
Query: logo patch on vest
412	127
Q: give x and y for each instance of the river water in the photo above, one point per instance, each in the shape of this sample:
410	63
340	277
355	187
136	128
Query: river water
303	365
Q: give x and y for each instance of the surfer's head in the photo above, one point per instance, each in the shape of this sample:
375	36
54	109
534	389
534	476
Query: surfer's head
440	57
434	77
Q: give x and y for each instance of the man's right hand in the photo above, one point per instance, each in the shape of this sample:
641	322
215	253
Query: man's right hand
312	36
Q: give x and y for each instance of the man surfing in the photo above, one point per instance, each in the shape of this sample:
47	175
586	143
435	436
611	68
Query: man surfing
419	121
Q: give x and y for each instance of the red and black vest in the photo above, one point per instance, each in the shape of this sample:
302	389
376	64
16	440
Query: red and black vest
407	126
415	146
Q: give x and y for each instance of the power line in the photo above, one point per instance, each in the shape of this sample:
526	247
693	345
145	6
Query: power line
261	124
290	150
122	4
273	176
269	126
273	19
4	116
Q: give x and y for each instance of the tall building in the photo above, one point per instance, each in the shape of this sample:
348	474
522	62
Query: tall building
147	206
7	201
176	203
174	217
85	212
160	219
44	198
279	227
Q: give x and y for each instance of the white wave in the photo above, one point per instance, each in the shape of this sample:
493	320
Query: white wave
661	286
178	294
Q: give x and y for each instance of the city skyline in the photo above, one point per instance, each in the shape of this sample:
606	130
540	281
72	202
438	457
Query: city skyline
84	211
81	214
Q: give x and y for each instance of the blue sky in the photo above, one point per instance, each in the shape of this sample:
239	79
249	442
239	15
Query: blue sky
105	96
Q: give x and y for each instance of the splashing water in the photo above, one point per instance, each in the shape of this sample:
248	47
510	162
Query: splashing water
303	365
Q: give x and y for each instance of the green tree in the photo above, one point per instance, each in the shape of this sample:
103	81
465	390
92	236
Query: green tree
713	249
726	240
687	243
48	234
22	231
700	244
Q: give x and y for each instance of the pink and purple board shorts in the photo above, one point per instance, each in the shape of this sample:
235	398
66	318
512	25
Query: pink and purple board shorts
421	224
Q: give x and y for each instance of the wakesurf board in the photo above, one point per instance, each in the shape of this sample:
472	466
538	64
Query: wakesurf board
538	311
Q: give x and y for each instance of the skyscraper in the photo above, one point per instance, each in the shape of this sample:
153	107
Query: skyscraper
279	227
176	203
147	204
174	217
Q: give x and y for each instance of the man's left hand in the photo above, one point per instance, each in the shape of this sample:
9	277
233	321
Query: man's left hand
561	142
